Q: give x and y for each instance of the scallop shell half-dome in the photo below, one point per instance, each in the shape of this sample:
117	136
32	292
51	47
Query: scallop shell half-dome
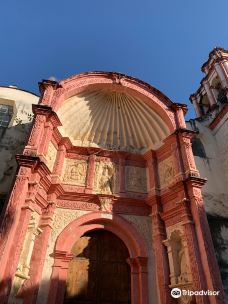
111	120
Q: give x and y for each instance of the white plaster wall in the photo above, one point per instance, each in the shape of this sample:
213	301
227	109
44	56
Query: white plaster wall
212	168
215	169
15	136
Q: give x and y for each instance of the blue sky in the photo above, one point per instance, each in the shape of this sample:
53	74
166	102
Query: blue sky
161	42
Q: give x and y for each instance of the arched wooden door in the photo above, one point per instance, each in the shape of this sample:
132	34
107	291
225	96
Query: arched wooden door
99	273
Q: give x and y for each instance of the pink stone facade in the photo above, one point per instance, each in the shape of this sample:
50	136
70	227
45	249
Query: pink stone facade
172	202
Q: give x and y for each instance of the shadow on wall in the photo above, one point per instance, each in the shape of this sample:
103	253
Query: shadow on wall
219	232
12	142
98	272
23	296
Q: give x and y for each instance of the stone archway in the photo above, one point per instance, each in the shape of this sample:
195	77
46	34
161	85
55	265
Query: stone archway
123	230
98	272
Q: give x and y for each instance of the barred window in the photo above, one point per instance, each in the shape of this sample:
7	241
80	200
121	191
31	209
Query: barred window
6	113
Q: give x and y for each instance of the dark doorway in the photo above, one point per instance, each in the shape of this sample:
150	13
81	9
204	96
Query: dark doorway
99	273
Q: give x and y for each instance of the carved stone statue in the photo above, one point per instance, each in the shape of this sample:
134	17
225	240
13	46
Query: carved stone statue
183	277
105	178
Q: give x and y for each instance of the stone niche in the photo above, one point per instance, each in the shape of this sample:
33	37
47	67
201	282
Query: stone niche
106	180
180	274
75	172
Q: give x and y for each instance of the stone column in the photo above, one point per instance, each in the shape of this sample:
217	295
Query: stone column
135	286
158	233
143	276
31	286
211	97
47	135
35	135
197	273
47	89
186	154
90	174
220	71
59	277
13	227
180	109
122	175
59	162
225	64
206	248
195	105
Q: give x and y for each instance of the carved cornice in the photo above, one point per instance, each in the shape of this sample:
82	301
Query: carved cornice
187	132
182	106
114	76
41	109
46	83
172	213
47	111
27	160
195	181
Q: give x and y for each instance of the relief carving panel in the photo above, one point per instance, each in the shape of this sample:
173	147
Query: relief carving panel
75	172
135	179
106	178
166	171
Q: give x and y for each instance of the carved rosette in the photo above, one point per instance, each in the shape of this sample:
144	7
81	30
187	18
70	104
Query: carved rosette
135	179
106	179
167	172
75	172
51	156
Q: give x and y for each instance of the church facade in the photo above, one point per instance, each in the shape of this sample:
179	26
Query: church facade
107	203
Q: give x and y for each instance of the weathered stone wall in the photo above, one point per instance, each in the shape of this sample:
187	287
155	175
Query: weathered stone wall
214	167
13	137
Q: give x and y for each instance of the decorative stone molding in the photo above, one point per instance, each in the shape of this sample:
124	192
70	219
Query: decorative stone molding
135	179
62	217
51	156
25	257
75	172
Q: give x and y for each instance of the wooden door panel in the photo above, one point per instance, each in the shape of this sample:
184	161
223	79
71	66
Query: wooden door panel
99	273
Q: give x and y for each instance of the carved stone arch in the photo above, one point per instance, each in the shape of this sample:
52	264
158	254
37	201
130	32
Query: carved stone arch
138	253
107	80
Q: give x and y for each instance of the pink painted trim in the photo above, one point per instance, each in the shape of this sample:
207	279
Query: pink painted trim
123	229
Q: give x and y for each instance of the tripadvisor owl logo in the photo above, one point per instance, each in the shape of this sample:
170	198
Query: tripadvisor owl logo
176	293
